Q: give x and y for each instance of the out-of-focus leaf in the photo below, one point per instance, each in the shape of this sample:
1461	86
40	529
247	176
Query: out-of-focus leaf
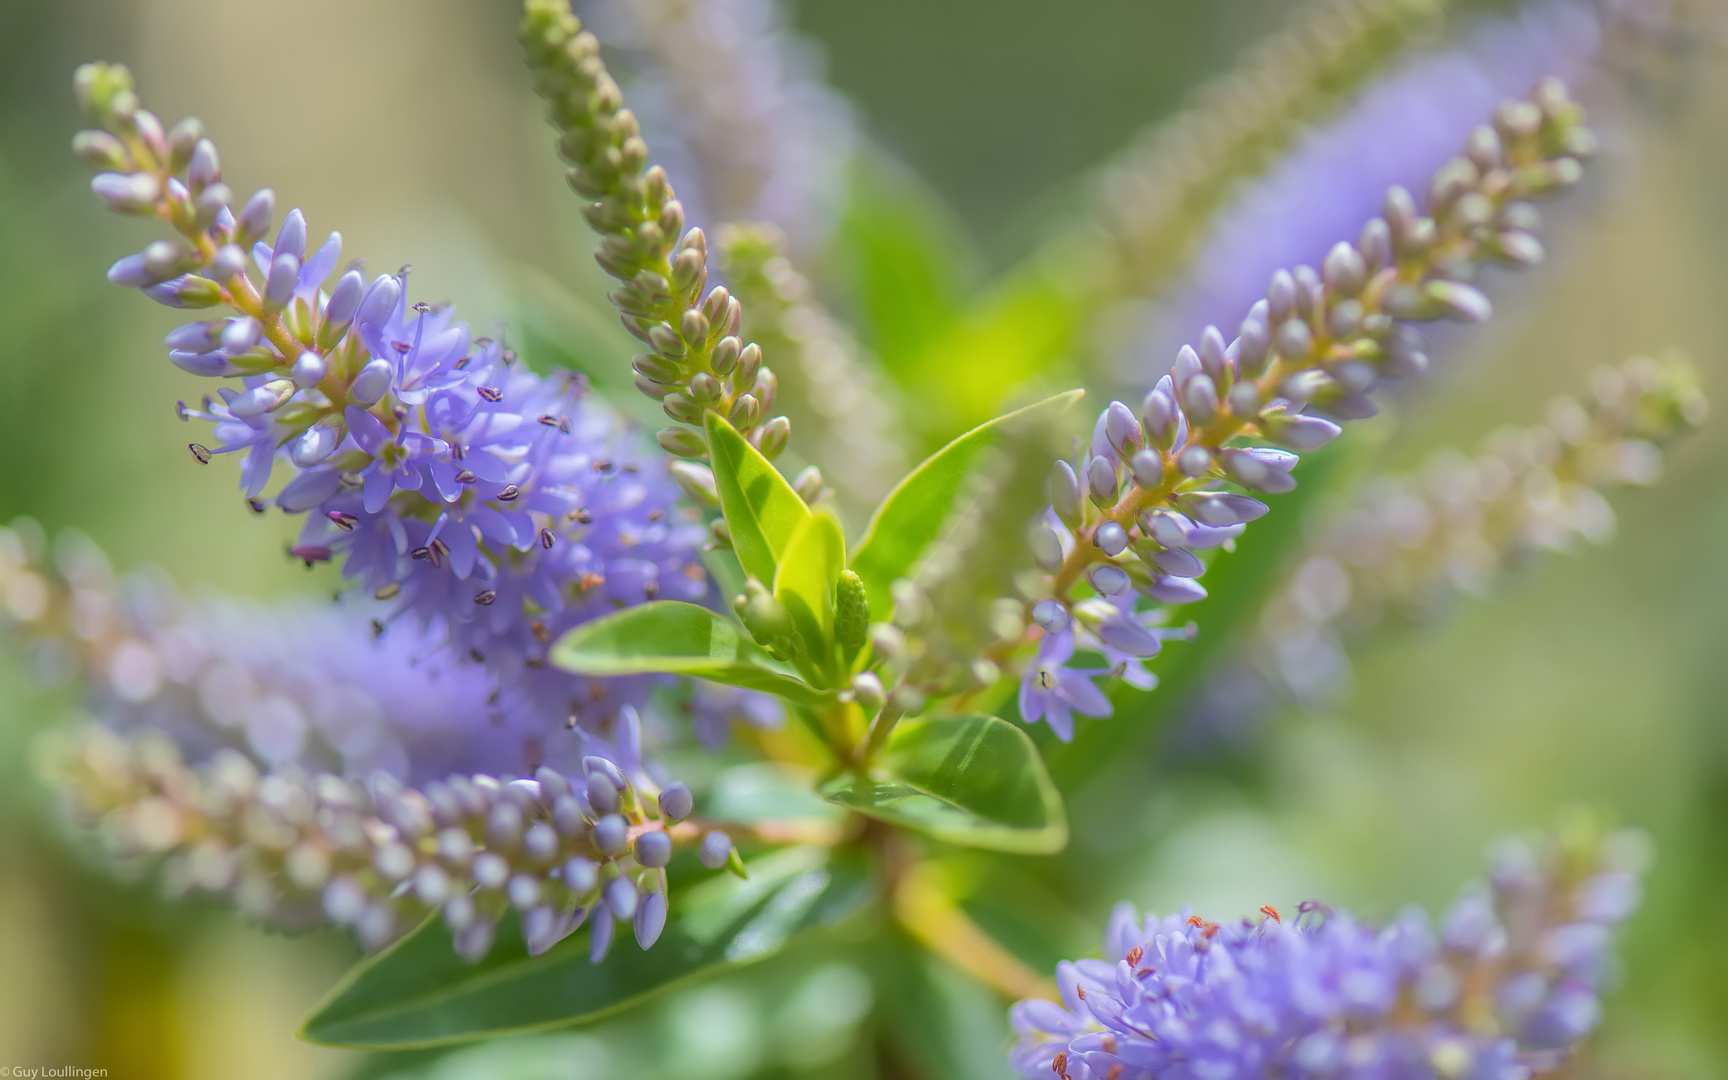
747	794
971	780
941	1021
1021	334
909	263
762	510
805	581
679	639
419	992
911	518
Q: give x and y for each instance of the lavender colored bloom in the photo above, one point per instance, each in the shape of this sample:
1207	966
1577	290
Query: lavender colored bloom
1318	341
495	507
1505	991
1051	692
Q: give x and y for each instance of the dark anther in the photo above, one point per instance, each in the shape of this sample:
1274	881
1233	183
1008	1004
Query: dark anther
422	307
632	468
401	346
485	597
564	424
509	493
465	477
541	634
651	590
602	466
546	539
534	663
548	419
462	364
199	451
345	522
180	410
656	514
491	393
421	553
377	628
440	552
257	505
478	657
581	516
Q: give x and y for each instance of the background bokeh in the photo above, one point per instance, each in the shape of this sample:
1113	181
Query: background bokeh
1593	681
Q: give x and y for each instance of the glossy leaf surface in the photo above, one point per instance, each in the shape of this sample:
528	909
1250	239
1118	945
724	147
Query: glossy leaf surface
911	518
761	509
419	992
805	582
971	780
679	639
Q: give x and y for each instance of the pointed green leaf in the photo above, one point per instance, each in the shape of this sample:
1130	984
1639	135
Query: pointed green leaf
761	509
911	518
971	780
679	639
807	576
419	992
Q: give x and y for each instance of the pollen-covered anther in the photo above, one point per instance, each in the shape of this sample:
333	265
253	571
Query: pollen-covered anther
199	452
1133	956
492	394
1270	912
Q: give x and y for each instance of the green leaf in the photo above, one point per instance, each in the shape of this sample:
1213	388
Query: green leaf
808	574
911	518
419	992
971	780
679	639
762	510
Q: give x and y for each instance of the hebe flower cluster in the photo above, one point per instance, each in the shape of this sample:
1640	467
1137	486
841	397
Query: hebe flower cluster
296	848
1409	542
1155	486
498	506
1505	988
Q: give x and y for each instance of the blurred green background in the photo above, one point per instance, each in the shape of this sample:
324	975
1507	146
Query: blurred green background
1593	681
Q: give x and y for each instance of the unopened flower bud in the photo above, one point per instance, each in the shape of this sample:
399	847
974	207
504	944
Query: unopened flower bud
716	850
316	443
654	849
253	220
373	382
1051	616
1065	494
308	371
676	802
1046	548
1111	538
266	397
1101	482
